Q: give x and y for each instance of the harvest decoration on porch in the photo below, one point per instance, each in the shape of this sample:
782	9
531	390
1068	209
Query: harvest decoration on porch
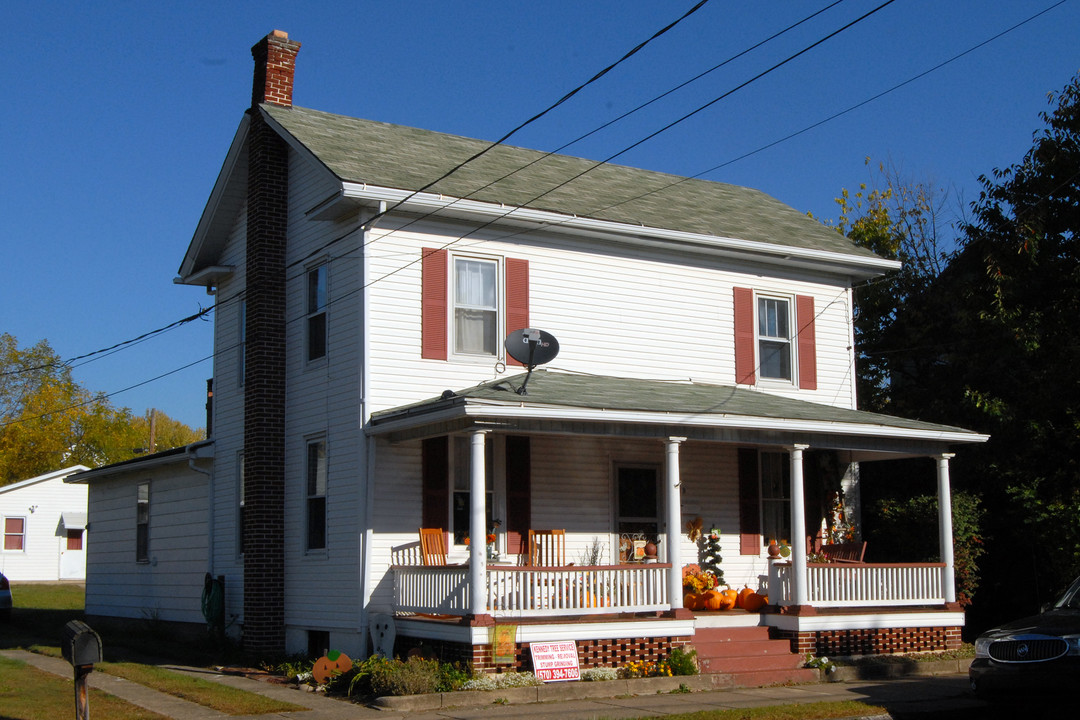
491	553
696	583
710	555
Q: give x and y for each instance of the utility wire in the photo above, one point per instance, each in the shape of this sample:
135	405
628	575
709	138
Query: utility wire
698	175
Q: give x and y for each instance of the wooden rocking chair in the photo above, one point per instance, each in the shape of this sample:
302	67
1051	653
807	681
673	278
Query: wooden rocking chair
547	548
433	546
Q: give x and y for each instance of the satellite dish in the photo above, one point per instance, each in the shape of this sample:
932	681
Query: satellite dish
531	347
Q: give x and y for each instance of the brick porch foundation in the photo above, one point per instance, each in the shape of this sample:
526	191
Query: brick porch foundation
607	652
874	641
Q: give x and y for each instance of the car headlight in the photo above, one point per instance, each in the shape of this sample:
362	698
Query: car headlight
1074	644
982	647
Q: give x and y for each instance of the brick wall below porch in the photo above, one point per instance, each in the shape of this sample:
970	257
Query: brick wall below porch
871	641
606	652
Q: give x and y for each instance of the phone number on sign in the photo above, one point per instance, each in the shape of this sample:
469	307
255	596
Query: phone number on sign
570	673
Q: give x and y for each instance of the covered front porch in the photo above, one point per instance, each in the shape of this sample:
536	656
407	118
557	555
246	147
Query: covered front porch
716	426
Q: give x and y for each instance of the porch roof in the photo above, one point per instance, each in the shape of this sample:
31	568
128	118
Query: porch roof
561	402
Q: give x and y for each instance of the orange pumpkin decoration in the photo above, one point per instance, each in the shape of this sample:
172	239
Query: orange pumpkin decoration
713	600
331	664
740	601
728	598
754	602
690	601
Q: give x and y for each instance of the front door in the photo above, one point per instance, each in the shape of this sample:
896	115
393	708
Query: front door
637	495
72	556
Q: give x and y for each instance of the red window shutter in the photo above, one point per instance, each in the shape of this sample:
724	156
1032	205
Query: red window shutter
517	298
744	337
749	512
807	342
518	493
435	482
434	320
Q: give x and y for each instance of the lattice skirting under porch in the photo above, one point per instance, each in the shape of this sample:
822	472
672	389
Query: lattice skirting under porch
607	652
874	641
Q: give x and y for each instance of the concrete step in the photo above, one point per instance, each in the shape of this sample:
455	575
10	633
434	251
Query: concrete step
747	657
743	664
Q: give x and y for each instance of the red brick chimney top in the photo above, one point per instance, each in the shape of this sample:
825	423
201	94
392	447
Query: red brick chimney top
275	64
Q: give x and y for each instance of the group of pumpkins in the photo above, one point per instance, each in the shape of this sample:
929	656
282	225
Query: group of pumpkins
726	599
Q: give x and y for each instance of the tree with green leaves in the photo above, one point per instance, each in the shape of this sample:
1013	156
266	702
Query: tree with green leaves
48	421
991	344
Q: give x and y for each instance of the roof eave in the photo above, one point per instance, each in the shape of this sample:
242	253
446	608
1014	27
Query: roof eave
474	409
850	265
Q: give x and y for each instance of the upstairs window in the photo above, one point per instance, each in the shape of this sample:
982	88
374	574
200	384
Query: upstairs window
316	495
476	309
142	523
469	304
774	338
316	313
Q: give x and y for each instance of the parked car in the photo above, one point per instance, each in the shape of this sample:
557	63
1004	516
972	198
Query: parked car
5	599
1041	652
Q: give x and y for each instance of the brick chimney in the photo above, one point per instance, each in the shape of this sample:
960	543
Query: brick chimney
275	64
264	355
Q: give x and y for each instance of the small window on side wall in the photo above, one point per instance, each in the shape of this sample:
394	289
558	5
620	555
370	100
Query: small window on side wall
14	533
316	313
142	523
316	495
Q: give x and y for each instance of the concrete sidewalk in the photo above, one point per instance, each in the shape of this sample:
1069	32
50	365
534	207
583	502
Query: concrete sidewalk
903	698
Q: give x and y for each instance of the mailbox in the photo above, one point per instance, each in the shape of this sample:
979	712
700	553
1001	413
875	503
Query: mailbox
81	645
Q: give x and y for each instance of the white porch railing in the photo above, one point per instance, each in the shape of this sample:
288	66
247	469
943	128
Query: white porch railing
861	585
534	591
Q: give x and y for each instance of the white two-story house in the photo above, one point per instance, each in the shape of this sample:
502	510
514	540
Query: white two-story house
367	277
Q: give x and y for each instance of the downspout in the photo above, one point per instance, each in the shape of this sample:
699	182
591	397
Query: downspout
369	442
190	450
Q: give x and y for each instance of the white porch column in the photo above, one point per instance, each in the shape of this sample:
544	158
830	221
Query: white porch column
798	527
674	521
945	529
477	524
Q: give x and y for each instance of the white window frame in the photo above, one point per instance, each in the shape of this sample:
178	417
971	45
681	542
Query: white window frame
21	535
790	339
310	497
499	307
313	313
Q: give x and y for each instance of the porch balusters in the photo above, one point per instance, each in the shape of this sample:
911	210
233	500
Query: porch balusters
945	528
674	522
798	527
477	525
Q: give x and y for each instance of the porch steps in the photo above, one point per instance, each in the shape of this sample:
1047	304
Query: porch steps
746	657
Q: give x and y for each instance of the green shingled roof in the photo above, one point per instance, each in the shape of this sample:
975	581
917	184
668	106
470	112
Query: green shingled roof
405	158
573	390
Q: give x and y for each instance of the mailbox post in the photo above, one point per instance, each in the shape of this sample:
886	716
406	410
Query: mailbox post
81	647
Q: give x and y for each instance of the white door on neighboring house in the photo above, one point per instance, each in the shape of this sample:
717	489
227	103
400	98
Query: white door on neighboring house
73	546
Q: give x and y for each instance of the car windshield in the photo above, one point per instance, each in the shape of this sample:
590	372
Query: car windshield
1071	598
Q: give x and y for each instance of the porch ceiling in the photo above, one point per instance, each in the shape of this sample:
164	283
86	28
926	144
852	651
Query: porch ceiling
568	403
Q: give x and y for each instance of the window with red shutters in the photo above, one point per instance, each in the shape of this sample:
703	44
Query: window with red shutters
463	298
764	346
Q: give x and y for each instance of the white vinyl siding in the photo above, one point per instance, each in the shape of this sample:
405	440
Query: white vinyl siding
169	586
673	318
39	505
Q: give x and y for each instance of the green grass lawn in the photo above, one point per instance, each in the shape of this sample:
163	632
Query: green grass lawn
37	622
27	693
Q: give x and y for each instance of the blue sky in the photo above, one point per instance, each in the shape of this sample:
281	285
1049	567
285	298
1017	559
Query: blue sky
118	121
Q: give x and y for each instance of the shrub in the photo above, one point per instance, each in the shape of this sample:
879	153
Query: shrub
501	681
600	673
682	662
414	676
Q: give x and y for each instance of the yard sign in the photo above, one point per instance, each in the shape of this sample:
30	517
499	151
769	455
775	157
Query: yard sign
555	661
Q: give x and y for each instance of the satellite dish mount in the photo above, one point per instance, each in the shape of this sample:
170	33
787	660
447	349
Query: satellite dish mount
531	347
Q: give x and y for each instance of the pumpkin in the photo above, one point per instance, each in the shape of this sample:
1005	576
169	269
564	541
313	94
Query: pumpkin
713	600
331	664
690	601
754	602
740	601
729	597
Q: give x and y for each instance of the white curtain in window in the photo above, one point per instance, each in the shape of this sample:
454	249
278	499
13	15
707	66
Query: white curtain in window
475	312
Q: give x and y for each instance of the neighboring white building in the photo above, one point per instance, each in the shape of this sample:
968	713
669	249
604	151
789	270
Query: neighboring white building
362	390
45	532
